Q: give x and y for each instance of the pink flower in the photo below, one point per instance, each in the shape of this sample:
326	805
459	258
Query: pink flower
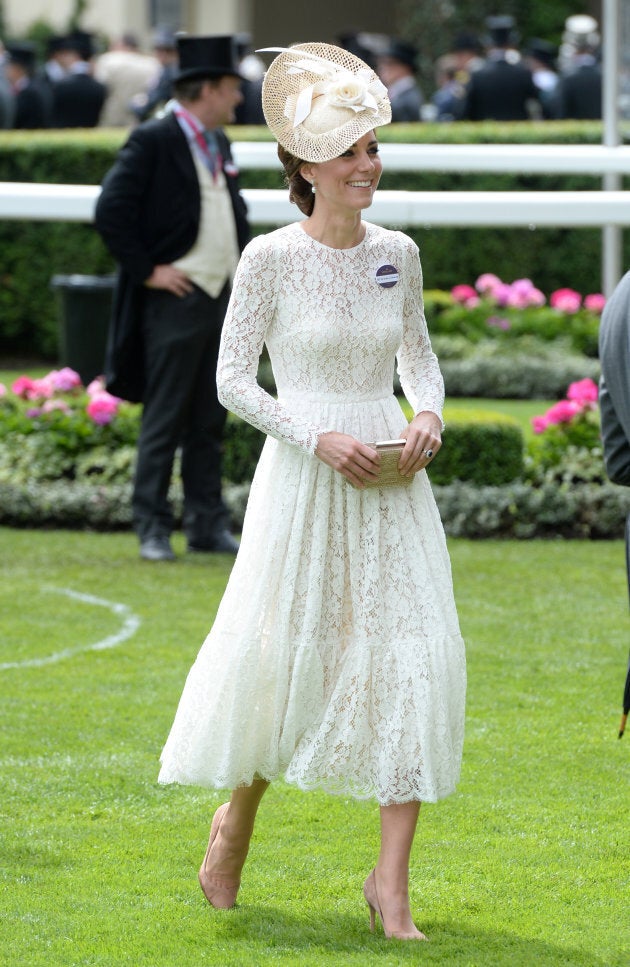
499	323
595	302
42	389
34	412
33	389
102	408
539	424
462	293
3	389
523	293
96	386
501	294
565	300
64	380
583	392
22	386
487	283
536	298
51	405
563	411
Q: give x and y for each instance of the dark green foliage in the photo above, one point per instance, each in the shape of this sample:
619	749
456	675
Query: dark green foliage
484	452
242	446
33	252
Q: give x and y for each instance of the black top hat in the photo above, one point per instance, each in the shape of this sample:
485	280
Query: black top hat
543	51
22	54
80	42
207	57
54	44
404	52
502	30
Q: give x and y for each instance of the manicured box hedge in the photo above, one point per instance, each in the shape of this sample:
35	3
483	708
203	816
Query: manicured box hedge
32	252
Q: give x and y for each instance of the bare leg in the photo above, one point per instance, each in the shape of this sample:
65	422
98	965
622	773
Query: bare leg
232	828
389	883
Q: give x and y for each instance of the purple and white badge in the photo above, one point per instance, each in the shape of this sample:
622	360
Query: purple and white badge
386	276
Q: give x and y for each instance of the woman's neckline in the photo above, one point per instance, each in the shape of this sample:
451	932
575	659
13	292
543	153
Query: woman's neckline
332	248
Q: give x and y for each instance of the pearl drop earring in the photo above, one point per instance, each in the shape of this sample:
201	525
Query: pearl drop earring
313	188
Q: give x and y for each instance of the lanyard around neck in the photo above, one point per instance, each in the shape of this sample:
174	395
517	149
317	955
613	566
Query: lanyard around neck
213	159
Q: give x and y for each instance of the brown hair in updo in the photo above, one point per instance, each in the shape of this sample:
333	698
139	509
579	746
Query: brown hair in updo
300	190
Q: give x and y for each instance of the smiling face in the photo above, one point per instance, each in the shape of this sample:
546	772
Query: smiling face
350	180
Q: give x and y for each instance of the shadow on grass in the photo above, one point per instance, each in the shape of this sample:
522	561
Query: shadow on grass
341	939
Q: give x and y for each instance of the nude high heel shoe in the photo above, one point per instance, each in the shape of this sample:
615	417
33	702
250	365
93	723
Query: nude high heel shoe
371	898
220	894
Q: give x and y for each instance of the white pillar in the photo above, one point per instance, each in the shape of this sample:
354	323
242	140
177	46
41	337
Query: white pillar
611	234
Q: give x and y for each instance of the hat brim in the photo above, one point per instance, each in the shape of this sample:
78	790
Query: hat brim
206	73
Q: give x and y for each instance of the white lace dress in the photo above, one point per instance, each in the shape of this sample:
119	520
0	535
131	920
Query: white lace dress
335	659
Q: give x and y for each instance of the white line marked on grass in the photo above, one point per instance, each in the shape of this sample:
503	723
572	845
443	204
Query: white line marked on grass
130	624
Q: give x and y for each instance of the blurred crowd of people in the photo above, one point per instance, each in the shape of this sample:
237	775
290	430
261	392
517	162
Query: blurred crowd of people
78	87
494	76
490	77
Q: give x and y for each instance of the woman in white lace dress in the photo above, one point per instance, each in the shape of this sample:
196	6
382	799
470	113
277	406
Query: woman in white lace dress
335	659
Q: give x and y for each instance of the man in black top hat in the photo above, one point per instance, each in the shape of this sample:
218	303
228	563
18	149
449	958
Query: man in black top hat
579	91
503	88
171	213
78	97
397	68
32	103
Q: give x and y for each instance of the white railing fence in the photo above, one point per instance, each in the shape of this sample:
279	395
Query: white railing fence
403	208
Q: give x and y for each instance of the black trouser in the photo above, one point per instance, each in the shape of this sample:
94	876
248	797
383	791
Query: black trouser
181	408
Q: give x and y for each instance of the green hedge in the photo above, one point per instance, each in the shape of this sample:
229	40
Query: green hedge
501	376
35	251
486	449
511	511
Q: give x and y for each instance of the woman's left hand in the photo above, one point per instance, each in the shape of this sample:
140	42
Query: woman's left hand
424	439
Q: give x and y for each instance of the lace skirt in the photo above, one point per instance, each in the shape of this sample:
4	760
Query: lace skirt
335	659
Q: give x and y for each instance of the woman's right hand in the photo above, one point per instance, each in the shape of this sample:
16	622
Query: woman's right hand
353	460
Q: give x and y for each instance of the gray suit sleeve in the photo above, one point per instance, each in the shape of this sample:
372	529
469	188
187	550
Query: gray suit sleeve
614	388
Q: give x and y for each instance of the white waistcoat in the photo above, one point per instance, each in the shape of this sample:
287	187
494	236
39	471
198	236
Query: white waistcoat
212	260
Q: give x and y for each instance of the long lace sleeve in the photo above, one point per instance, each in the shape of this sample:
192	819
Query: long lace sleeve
418	368
249	315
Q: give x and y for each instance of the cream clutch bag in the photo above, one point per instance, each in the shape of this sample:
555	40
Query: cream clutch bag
389	476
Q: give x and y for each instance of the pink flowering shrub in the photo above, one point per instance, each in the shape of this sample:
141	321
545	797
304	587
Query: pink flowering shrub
581	398
48	425
566	300
494	309
568	434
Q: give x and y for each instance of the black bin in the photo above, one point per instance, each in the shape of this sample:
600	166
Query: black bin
84	309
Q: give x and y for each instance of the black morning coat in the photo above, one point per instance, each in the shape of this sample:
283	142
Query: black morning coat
148	214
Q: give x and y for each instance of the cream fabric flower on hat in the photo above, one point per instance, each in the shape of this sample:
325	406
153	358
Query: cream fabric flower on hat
319	99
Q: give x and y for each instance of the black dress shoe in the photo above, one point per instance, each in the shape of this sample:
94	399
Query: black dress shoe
157	548
221	543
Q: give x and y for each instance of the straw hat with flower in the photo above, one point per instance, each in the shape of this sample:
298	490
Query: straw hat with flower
318	100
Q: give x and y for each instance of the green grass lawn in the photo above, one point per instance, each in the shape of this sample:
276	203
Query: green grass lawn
527	864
